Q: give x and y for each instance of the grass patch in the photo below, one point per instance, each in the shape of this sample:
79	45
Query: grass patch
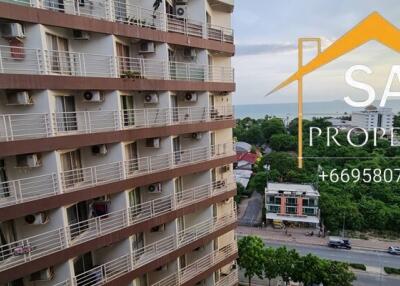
358	266
390	270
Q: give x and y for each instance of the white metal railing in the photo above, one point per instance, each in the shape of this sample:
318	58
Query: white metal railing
228	280
122	12
31	248
199	266
20	60
42	125
139	257
32	188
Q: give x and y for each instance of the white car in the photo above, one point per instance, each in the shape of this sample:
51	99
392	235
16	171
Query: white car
395	250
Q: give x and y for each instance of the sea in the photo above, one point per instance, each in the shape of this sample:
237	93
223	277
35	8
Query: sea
310	109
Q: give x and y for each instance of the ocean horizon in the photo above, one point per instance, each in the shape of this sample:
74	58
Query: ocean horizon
310	109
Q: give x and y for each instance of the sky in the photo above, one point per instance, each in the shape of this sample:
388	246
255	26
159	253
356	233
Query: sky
266	33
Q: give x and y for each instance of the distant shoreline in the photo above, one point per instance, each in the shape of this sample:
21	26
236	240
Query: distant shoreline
311	109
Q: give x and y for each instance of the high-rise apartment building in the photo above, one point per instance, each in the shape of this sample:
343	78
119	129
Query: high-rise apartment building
372	117
116	144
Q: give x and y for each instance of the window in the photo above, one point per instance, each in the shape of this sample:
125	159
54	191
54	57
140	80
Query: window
7	235
72	167
82	264
4	188
66	119
128	110
58	59
137	241
132	156
177	149
77	218
120	10
179	188
123	58
291	201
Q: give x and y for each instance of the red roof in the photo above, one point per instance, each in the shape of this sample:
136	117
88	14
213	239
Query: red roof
248	157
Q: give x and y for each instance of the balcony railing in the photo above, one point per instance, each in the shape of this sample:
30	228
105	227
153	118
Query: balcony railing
139	257
199	266
122	12
34	247
43	125
229	280
19	60
33	188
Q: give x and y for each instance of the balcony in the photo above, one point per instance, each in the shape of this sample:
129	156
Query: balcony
229	280
223	5
139	257
34	188
32	248
18	60
44	125
198	267
121	12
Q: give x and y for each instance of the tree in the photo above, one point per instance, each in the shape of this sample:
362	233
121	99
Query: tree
271	127
282	162
283	142
286	263
259	182
251	256
308	270
270	266
336	273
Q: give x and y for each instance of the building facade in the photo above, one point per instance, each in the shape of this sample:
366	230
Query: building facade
372	117
116	144
292	203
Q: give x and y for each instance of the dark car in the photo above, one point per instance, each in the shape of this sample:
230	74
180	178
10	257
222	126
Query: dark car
338	242
395	250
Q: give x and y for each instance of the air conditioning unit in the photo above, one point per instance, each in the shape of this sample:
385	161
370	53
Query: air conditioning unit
154	188
19	98
219	184
162	268
12	30
99	149
153	142
151	98
28	161
197	135
191	97
182	11
81	35
43	275
198	248
93	96
189	53
225	169
147	47
37	219
158	228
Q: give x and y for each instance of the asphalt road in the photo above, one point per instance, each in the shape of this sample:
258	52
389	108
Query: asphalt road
370	258
363	279
251	216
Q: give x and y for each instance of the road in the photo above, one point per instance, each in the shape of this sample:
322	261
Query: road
252	214
363	279
370	258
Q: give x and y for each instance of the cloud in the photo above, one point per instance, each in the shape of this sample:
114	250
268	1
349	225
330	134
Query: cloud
258	49
276	48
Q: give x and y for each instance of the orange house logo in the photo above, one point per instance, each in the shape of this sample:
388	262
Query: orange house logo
372	28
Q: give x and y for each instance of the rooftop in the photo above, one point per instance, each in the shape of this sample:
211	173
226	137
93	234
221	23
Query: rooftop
306	189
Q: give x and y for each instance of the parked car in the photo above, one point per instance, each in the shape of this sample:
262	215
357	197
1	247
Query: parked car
338	242
395	250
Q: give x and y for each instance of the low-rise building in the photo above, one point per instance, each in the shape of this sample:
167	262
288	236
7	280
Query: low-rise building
296	203
372	117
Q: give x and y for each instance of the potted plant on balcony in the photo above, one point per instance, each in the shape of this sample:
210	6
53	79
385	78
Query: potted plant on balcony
131	74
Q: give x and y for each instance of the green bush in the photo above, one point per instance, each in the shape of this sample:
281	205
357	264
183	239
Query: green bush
358	266
390	270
